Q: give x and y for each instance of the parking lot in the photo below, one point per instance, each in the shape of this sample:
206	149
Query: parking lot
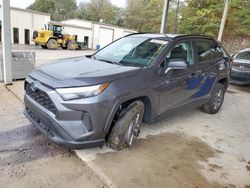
189	149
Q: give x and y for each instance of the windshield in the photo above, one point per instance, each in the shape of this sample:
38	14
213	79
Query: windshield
132	51
243	55
57	29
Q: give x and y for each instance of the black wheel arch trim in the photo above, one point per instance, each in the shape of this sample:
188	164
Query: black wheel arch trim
149	111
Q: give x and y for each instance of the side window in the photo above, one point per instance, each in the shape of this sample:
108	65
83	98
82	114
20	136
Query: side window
205	51
182	51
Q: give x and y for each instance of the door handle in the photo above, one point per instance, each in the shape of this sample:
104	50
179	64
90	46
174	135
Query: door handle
191	75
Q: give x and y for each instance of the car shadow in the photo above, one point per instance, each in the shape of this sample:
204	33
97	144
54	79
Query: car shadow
244	88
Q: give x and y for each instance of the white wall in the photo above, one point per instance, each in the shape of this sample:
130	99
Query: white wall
118	32
79	23
22	19
80	32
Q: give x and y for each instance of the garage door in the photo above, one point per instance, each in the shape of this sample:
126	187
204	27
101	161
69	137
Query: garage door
105	36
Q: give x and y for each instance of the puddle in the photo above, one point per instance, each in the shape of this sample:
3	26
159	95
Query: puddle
165	160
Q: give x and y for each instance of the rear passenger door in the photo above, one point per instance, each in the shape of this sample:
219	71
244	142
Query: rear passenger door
206	61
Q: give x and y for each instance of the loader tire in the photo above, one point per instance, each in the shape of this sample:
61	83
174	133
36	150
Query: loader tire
72	45
52	44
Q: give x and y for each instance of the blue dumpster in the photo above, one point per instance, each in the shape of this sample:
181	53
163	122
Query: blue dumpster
98	47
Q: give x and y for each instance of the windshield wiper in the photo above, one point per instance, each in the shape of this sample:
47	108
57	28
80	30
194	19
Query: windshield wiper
112	62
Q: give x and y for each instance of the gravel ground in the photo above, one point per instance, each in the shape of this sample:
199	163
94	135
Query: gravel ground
45	55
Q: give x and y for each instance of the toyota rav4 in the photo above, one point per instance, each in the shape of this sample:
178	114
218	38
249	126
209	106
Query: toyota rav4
87	101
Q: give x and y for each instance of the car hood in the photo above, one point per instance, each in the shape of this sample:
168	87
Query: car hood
80	71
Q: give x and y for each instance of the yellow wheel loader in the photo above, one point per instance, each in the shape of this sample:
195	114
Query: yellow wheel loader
52	38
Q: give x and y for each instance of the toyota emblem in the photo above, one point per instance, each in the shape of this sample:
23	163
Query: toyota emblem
33	86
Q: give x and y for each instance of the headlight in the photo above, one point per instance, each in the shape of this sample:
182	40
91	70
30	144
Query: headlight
81	92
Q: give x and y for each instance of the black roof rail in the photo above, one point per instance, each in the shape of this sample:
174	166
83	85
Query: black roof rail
174	35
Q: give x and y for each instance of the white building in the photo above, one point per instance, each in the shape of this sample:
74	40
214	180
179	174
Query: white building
94	33
24	22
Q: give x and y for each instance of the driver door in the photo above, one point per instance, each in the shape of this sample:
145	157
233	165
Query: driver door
178	86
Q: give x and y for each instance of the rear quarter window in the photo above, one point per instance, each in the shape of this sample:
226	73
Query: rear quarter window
209	50
204	50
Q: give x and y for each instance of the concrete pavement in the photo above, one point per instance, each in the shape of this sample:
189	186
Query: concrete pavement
186	150
190	149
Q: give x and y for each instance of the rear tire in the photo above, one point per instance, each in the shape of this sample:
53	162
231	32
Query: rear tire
72	45
52	44
216	100
44	47
127	128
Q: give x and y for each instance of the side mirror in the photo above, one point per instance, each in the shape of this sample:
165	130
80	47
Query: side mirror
176	65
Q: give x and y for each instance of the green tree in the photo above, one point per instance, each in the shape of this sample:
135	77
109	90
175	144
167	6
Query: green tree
64	9
151	16
46	6
134	14
239	18
59	9
201	17
204	17
96	10
145	15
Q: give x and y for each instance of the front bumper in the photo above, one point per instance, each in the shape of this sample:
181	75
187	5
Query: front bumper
54	136
75	124
39	42
52	130
240	77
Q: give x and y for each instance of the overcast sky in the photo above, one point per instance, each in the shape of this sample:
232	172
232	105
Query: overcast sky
26	3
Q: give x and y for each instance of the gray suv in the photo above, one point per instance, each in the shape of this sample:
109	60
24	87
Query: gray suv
87	101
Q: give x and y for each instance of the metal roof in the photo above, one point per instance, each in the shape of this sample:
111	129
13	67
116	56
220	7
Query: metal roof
28	10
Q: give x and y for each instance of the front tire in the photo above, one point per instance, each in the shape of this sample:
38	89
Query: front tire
52	44
127	128
216	100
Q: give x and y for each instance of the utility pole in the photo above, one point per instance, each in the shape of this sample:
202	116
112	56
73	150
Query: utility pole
7	65
164	16
176	16
224	18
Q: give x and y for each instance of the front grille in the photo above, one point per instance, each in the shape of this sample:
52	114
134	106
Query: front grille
40	97
39	122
